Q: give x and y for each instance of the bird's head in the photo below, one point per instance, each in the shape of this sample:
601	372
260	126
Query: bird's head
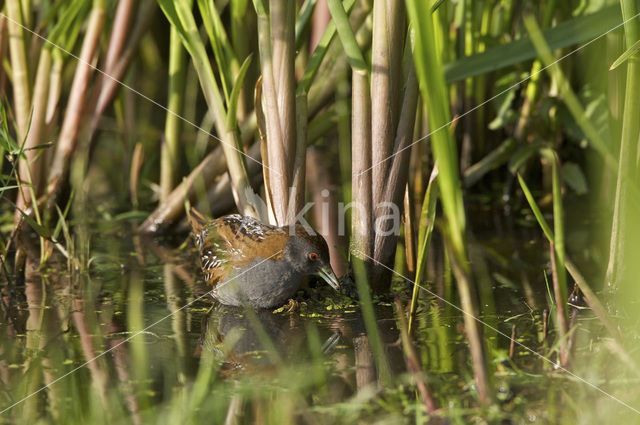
309	255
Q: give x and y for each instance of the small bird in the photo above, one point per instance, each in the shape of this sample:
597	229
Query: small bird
248	262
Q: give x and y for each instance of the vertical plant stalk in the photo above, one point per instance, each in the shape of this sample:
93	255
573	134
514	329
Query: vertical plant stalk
361	217
590	296
119	32
386	57
122	55
472	326
533	85
266	170
121	363
75	107
30	164
137	160
368	313
35	301
624	208
409	231
321	181
319	22
19	68
558	259
385	242
240	42
283	38
3	49
181	16
55	87
435	95
297	192
170	147
81	316
413	361
276	152
427	221
364	362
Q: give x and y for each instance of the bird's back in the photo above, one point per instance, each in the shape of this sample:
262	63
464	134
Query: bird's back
232	243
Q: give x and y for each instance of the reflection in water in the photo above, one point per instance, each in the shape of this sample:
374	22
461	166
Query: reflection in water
248	341
55	322
252	338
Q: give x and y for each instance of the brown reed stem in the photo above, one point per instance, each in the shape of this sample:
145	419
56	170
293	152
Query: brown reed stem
19	68
76	105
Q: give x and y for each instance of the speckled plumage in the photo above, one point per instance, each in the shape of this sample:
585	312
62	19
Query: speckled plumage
248	262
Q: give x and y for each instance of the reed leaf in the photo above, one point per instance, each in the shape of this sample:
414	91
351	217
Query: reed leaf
623	247
181	17
347	36
625	56
232	117
574	31
369	316
568	95
177	79
434	93
427	221
302	22
222	50
535	209
19	67
318	54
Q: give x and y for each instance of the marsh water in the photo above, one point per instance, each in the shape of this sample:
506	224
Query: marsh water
132	339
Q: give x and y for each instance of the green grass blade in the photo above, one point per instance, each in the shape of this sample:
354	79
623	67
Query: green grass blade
347	36
371	325
574	31
69	14
302	23
491	161
535	209
569	97
222	50
427	221
436	5
626	55
436	97
558	225
38	228
232	119
318	54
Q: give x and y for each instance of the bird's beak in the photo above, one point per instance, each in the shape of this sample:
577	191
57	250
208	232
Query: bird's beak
329	276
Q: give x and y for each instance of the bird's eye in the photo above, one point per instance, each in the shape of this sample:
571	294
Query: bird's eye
314	256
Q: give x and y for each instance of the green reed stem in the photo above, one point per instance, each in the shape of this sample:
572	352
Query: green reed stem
170	150
19	67
369	316
623	246
435	95
427	221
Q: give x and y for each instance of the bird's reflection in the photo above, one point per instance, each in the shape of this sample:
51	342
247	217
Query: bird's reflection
253	338
260	341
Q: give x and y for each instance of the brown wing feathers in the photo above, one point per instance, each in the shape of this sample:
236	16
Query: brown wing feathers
233	241
211	255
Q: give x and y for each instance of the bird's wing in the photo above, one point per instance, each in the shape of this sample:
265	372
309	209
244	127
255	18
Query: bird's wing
233	242
214	261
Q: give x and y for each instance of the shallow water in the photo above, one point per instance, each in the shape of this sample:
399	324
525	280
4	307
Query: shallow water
131	341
